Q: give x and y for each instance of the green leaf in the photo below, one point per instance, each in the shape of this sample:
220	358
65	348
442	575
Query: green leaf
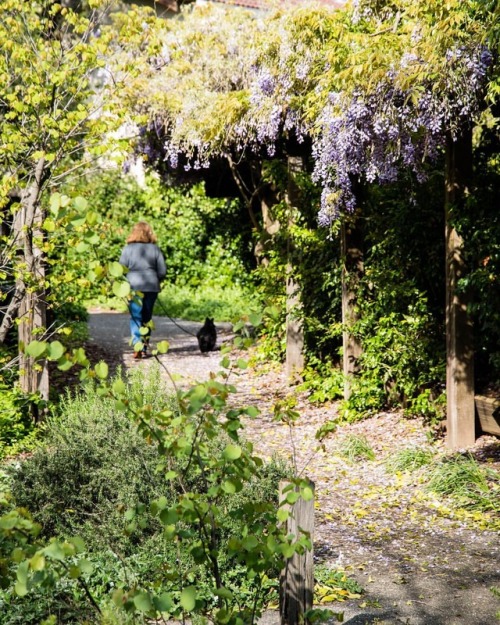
229	487
54	551
142	602
288	551
22	572
119	387
36	349
86	566
282	515
168	516
101	370
78	543
21	589
49	225
162	347
55	203
249	543
255	319
307	493
188	598
55	350
37	562
232	452
115	269
121	289
81	247
163	603
242	363
80	203
64	364
224	593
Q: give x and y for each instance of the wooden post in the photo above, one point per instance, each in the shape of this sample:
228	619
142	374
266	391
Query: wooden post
33	377
352	272
459	331
294	363
297	577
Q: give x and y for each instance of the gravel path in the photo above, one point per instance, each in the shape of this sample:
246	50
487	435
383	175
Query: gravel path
418	563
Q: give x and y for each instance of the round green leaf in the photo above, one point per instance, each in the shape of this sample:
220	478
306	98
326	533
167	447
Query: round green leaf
188	598
229	487
119	387
20	589
142	602
80	203
37	562
162	347
101	370
232	452
115	270
55	350
163	603
307	493
36	349
121	289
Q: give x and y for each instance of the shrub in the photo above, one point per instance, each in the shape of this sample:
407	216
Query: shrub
97	477
93	466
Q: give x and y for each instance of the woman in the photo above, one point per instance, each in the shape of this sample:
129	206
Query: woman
146	269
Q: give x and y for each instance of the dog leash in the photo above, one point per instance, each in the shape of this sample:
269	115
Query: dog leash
158	301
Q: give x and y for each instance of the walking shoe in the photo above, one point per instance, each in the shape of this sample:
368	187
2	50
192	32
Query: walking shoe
137	355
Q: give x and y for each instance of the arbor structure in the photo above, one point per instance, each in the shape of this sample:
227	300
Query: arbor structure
379	88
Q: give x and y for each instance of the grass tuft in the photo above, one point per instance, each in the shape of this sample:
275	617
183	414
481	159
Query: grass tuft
356	448
410	459
462	479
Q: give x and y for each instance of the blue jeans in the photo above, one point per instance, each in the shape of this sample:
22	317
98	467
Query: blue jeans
141	313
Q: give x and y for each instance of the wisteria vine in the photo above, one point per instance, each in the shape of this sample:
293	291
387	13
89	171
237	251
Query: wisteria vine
368	135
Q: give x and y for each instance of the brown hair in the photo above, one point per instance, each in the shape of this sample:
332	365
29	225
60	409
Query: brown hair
142	233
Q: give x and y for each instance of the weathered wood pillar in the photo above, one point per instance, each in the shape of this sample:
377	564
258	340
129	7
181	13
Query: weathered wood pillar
297	577
459	331
351	243
33	377
294	363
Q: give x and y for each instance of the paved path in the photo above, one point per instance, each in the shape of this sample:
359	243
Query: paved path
416	568
111	331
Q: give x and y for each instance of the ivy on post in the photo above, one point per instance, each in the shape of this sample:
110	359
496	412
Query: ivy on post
297	576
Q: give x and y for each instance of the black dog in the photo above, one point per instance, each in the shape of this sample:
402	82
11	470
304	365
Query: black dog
207	336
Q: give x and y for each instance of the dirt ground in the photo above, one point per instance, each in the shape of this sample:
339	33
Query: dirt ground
418	563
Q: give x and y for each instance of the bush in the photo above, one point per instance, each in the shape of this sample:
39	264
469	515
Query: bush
97	477
92	467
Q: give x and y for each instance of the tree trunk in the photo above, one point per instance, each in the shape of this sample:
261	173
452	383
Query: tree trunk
459	330
294	364
33	377
352	272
